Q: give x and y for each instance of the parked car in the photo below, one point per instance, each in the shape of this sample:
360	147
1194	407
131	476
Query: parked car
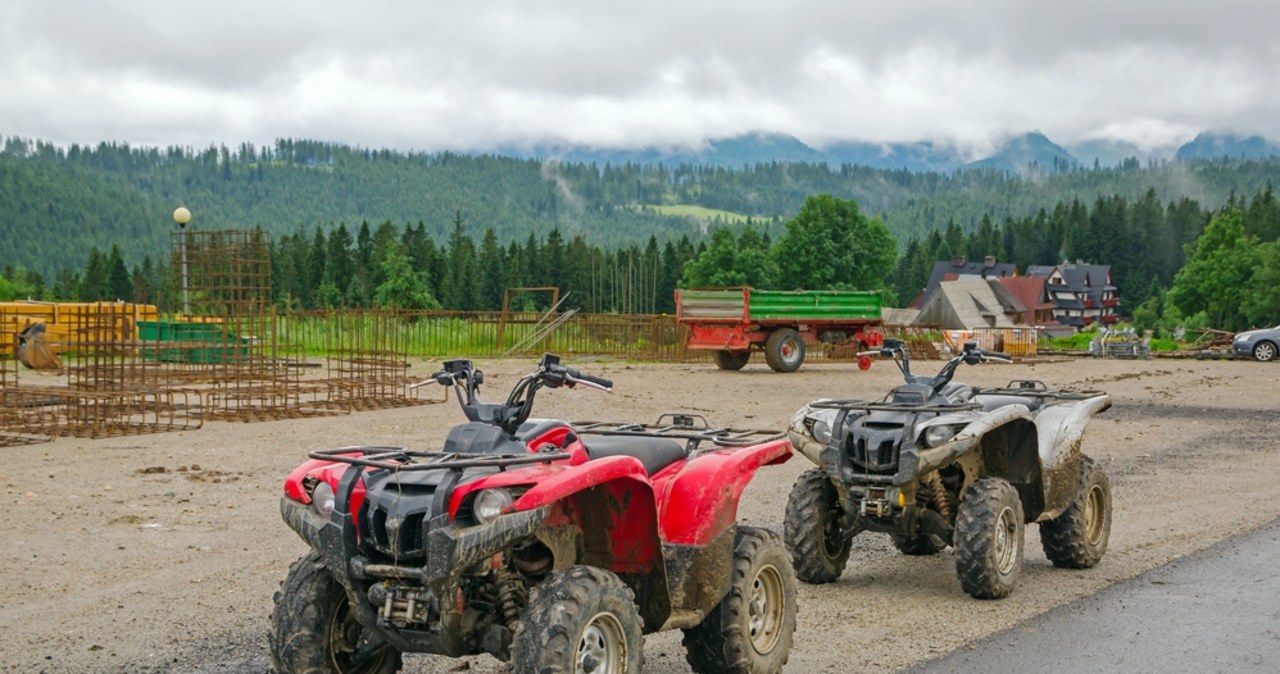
1260	345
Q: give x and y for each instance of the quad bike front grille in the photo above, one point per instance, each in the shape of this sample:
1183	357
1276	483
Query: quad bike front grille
877	454
396	536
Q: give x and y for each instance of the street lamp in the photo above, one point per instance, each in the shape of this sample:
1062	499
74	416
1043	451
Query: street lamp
182	216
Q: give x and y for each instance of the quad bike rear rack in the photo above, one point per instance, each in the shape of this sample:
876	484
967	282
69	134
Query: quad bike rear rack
692	428
401	459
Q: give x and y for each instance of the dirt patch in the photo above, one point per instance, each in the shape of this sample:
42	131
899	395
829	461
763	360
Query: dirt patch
162	555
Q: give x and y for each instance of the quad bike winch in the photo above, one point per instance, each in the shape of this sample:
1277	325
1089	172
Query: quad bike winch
938	463
555	546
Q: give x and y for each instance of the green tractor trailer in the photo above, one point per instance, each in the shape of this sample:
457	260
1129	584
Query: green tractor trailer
734	322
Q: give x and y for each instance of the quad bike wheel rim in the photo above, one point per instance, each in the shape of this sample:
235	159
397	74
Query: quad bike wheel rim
1005	548
1094	514
764	609
345	636
602	648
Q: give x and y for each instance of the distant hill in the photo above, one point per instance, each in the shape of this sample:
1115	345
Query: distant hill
1211	145
922	156
1108	153
1028	154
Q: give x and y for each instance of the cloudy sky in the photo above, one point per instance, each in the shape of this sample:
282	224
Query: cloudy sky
432	75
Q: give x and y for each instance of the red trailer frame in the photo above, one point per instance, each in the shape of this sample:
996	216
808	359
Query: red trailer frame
783	339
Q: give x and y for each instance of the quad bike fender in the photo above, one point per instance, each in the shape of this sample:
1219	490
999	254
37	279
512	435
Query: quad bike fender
1060	428
578	478
970	437
608	504
326	471
701	501
801	436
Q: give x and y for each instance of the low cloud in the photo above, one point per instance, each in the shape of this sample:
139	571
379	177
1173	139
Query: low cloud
430	77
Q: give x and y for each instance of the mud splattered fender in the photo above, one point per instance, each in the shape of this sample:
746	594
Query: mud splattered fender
969	437
1059	428
702	500
452	550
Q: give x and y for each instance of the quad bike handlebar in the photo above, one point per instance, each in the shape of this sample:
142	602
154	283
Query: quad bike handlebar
969	354
465	379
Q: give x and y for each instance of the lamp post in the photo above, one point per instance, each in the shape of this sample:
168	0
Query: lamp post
182	216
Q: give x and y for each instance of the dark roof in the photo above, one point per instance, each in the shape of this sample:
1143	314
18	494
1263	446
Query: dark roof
1090	279
957	268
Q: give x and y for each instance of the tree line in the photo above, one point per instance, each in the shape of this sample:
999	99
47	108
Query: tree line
57	203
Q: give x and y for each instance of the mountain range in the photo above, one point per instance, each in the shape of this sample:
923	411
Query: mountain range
1024	154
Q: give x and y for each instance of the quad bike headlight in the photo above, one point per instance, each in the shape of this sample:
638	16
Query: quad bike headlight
938	435
490	503
821	431
322	499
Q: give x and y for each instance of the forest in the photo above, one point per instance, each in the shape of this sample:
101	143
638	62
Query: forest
456	230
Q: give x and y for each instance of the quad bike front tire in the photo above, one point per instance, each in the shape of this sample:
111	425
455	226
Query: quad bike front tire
813	529
314	630
731	360
580	619
988	539
1077	539
750	631
917	545
784	350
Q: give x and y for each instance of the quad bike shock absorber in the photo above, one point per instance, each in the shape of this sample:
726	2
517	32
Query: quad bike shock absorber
938	494
512	596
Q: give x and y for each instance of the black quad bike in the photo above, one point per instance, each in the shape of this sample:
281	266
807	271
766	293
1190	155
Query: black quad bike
938	463
551	545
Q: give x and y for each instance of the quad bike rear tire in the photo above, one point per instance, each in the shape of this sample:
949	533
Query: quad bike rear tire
750	631
579	619
917	545
813	529
1077	539
784	350
731	360
313	629
989	533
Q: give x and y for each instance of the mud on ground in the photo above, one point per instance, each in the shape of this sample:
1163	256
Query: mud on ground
160	553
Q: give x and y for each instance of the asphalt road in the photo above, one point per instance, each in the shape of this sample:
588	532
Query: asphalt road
1215	611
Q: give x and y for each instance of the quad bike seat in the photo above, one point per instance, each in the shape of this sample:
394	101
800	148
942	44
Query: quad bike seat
991	402
654	453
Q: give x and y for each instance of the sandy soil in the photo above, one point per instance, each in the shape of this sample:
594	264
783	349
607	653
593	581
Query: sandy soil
161	552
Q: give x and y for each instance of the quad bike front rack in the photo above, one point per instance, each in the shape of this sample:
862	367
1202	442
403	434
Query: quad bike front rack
887	406
401	459
1034	388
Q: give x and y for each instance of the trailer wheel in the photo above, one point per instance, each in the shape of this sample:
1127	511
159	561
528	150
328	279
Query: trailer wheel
730	360
784	350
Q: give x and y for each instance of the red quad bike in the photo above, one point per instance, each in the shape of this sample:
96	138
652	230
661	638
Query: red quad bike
551	545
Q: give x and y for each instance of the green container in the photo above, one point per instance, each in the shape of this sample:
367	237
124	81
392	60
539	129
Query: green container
814	305
221	348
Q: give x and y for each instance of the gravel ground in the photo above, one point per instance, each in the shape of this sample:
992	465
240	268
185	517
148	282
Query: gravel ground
160	553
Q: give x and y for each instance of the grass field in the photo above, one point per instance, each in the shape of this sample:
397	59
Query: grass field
699	212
